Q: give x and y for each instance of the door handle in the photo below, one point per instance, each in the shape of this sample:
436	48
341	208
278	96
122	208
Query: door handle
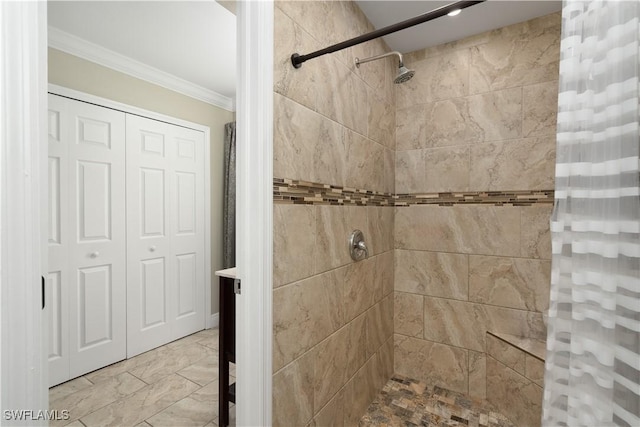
152	249
94	254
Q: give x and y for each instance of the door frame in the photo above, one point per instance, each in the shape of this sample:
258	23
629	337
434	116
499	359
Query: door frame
254	217
24	367
130	109
23	227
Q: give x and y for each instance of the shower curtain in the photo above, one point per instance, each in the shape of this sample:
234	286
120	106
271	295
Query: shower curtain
592	373
229	214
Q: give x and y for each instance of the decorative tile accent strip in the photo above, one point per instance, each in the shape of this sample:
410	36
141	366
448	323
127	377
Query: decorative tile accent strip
291	191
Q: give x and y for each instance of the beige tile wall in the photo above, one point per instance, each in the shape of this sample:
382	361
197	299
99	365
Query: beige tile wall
333	124
479	115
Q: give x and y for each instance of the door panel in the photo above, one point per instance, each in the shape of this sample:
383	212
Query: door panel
96	251
56	285
165	276
94	201
154	294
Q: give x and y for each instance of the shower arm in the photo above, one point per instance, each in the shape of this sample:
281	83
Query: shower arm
384	55
297	60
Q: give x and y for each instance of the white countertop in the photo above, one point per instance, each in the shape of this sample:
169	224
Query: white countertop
229	272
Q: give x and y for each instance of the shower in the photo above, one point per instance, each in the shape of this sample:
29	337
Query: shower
404	73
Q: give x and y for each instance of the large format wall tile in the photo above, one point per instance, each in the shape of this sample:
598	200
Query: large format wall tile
446	169
359	283
408	314
498	114
464	324
477	375
432	273
334	226
506	353
510	282
438	77
540	108
536	235
382	120
341	94
356	344
360	391
410	173
518	55
363	160
456	323
296	84
306	145
489	230
379	232
514	395
411	127
293	392
437	124
304	313
437	364
379	324
293	256
331	364
522	164
332	415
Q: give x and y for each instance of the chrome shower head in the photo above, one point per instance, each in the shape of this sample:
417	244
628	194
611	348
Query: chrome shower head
404	73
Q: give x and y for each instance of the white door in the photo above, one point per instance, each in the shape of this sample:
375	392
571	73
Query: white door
87	276
57	295
165	233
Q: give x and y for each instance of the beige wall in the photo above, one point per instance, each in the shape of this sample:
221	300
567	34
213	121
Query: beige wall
479	115
333	124
78	74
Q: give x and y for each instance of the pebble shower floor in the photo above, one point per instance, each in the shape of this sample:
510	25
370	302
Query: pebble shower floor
407	402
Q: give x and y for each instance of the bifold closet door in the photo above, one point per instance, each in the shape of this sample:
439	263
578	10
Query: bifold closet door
165	233
87	287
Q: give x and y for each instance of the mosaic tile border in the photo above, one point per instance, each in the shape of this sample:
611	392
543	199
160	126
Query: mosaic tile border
291	191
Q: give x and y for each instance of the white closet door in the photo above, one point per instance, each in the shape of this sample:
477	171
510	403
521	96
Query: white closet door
165	233
57	294
96	185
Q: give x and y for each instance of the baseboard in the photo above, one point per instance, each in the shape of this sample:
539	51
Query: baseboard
213	321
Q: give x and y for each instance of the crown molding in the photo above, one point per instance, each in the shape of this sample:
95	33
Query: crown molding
84	49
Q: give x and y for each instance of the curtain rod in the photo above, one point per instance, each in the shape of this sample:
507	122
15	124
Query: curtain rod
297	59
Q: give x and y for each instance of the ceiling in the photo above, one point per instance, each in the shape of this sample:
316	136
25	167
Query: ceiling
473	20
196	40
193	40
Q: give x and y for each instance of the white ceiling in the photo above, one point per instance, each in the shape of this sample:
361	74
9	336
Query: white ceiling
193	40
473	20
196	40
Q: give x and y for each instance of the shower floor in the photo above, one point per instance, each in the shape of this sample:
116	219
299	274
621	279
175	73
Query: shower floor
407	402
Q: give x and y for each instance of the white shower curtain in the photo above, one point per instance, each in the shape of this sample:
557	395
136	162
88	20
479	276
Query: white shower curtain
593	347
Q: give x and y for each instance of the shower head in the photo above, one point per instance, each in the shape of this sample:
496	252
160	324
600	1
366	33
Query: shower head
404	73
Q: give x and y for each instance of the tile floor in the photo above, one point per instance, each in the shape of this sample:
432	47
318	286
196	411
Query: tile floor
172	385
407	402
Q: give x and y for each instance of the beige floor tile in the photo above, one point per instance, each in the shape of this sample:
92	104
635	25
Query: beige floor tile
171	361
76	423
92	398
142	404
126	365
210	339
186	412
143	424
202	372
65	389
208	393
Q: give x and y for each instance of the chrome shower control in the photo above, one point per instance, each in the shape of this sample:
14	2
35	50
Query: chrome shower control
357	248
